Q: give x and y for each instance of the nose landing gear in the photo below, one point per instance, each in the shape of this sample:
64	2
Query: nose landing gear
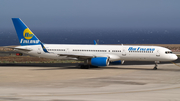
155	67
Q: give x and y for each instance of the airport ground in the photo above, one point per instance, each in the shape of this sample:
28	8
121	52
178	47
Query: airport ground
66	82
132	81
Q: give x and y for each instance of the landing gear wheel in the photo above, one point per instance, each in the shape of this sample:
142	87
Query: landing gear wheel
81	66
94	66
85	66
156	62
155	68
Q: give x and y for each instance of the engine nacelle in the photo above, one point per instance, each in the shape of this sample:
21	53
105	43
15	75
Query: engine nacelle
117	62
100	61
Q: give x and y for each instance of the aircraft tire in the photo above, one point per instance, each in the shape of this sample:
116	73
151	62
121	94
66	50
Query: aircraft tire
84	66
155	68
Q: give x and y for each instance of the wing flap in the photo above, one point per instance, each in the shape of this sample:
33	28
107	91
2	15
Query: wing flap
77	55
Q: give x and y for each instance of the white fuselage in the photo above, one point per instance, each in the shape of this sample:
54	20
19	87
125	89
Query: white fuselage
114	52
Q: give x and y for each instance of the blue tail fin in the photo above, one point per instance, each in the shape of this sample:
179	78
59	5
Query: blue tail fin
25	35
95	42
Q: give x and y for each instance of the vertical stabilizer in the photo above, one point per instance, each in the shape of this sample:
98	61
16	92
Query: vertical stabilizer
25	35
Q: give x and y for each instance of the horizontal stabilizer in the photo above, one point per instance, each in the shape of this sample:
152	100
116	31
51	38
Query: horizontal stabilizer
21	49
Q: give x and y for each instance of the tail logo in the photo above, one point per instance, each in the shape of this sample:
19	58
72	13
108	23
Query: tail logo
28	34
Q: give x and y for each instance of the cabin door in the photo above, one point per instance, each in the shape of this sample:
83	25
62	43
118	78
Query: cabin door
39	50
158	54
67	50
124	52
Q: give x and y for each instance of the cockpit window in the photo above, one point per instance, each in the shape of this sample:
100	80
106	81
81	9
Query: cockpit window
168	52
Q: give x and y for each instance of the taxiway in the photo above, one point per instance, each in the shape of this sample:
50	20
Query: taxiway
66	82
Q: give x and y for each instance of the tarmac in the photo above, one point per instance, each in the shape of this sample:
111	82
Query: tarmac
133	81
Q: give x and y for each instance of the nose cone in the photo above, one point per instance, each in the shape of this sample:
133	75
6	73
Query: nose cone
174	57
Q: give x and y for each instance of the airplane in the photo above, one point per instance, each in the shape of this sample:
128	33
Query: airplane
92	55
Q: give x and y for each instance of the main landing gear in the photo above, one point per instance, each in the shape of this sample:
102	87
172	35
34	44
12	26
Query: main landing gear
155	67
84	66
87	66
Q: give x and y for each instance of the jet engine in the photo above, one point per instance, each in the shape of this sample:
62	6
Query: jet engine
100	61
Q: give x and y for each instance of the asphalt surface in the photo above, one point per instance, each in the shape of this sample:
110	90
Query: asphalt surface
133	81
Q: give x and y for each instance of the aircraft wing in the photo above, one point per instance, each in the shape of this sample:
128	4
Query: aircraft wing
21	49
77	55
89	56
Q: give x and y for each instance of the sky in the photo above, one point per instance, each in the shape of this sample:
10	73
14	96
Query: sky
91	14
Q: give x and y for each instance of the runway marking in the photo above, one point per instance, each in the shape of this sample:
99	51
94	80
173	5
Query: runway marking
175	64
29	95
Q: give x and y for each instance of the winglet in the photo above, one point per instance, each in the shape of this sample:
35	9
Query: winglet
95	42
44	49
